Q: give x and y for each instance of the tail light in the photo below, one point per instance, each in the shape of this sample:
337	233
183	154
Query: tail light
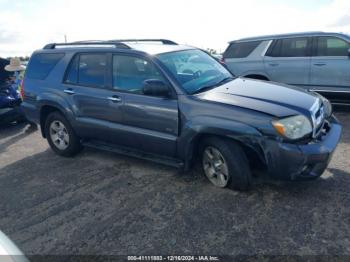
22	89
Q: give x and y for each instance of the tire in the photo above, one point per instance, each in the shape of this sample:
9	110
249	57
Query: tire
231	169
67	143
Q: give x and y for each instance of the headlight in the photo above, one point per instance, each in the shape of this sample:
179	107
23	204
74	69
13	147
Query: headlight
327	107
294	127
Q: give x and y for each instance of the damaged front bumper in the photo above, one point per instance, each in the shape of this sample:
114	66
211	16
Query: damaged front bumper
305	161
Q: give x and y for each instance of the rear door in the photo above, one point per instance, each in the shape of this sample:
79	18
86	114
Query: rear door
152	122
330	68
288	61
242	58
96	105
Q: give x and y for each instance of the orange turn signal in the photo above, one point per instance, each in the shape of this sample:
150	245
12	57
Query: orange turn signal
279	127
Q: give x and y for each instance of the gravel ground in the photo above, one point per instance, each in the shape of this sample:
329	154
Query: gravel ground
103	203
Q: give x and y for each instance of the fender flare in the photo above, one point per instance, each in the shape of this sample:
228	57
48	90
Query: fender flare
56	102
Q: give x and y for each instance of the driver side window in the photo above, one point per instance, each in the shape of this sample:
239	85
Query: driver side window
130	72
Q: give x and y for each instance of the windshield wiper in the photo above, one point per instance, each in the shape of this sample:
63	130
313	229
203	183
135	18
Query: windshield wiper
225	80
208	87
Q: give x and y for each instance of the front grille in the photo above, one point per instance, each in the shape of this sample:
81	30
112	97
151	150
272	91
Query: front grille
317	115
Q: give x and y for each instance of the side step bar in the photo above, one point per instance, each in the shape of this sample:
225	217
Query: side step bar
134	153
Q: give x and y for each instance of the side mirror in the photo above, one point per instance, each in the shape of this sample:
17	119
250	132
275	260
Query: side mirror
155	87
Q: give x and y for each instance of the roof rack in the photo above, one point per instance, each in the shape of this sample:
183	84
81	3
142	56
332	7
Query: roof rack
88	43
120	43
163	41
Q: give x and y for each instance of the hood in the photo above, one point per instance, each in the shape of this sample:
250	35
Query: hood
268	97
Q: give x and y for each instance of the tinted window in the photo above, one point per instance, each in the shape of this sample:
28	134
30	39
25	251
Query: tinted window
42	64
72	73
92	70
130	72
290	47
332	46
240	50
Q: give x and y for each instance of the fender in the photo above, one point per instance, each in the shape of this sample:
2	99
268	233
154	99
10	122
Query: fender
56	101
201	126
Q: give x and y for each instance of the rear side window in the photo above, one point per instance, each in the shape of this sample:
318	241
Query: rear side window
42	64
88	70
289	47
332	46
241	50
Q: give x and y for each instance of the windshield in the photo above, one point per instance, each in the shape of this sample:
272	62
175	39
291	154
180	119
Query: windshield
195	70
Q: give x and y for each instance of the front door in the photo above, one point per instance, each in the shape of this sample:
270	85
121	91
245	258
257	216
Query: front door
288	61
152	122
330	68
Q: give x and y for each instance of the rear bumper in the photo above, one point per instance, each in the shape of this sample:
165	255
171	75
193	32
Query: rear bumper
8	115
303	162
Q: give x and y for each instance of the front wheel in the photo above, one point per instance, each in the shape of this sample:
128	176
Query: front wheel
225	164
61	136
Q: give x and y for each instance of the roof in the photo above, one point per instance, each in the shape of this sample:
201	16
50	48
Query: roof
277	36
150	46
155	49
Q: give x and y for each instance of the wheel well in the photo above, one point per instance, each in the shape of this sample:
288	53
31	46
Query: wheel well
254	159
44	112
256	76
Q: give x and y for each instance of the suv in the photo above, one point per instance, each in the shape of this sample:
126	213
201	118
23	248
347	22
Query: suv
315	61
174	104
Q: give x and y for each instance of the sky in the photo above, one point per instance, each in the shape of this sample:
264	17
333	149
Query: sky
28	25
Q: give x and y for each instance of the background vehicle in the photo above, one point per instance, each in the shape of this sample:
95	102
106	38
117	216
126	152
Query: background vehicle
8	114
3	73
316	61
174	104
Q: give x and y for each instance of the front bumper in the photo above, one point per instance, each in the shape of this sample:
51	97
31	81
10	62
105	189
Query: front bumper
302	162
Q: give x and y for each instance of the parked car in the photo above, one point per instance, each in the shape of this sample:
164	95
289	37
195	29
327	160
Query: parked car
9	111
174	104
3	73
10	115
315	61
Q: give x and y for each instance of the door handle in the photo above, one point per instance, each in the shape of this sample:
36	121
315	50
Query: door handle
69	91
274	64
114	99
320	64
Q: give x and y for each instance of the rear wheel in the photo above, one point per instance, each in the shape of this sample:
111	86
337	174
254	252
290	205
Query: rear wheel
225	164
60	135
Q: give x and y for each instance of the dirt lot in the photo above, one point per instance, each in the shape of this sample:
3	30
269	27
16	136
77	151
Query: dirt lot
103	203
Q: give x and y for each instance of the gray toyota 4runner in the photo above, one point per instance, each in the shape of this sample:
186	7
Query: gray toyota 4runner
173	104
316	61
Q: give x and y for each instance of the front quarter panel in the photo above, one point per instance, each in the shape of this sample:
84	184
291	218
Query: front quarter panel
201	118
